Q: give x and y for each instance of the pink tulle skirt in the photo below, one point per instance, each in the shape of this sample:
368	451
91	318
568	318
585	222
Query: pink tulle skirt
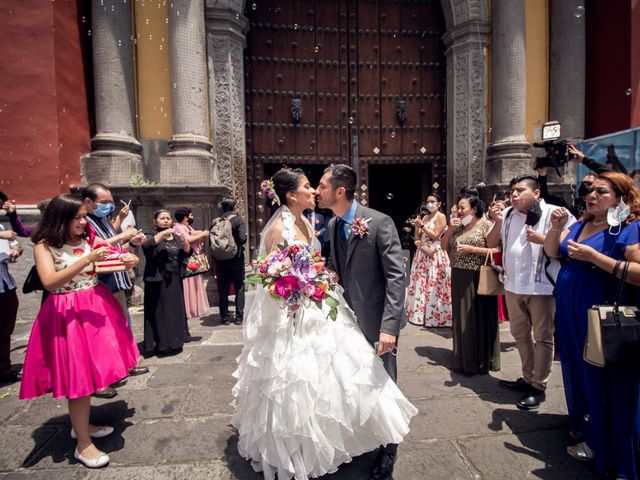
196	303
79	343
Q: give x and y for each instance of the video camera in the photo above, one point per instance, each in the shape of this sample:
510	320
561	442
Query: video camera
557	150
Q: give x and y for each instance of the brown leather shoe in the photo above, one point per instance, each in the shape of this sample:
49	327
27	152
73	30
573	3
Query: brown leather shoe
139	370
105	393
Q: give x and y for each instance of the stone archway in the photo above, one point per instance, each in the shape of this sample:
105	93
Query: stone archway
466	41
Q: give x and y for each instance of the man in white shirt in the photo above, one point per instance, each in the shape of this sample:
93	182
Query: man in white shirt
530	277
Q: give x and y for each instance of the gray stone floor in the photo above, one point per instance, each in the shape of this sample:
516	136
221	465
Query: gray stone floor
173	423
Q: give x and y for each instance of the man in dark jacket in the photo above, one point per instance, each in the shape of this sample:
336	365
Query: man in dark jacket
232	270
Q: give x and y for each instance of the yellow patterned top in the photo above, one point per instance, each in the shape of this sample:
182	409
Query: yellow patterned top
475	237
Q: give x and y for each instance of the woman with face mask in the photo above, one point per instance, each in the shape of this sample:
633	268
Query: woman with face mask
164	316
602	402
196	302
428	300
476	342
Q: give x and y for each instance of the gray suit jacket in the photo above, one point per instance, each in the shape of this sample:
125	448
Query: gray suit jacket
373	276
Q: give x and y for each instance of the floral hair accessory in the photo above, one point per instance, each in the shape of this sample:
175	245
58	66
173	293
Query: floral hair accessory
360	226
268	191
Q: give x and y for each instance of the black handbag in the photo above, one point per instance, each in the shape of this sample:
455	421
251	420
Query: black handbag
32	282
613	332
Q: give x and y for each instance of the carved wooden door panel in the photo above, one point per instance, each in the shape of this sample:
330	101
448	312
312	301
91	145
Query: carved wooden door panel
358	82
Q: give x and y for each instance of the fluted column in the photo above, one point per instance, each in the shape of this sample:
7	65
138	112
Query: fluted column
509	150
188	63
467	82
226	28
113	78
567	73
115	152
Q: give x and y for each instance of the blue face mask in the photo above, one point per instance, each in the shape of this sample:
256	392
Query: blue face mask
104	209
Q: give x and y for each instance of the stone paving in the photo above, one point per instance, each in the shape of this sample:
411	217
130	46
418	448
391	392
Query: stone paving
173	423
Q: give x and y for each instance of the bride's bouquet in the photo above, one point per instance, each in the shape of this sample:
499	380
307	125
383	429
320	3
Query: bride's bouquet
295	275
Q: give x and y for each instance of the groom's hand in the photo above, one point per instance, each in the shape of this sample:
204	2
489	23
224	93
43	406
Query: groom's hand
386	342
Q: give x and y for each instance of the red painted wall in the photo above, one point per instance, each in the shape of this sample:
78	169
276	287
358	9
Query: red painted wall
608	69
44	122
635	63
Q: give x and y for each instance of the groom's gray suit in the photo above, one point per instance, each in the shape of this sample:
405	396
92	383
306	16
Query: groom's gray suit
372	271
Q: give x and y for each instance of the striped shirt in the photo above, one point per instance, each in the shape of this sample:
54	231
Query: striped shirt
114	281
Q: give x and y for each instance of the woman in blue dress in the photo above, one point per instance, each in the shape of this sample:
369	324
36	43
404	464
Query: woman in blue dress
602	402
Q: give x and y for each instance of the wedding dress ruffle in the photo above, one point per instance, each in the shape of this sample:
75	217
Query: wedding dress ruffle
311	393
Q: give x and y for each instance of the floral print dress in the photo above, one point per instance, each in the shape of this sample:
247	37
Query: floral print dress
428	300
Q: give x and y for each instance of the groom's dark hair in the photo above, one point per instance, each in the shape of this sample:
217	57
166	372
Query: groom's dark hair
343	176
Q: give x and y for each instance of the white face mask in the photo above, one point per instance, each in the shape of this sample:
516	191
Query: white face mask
431	207
466	220
616	215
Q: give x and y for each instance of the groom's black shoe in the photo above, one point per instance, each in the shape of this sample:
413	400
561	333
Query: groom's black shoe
383	468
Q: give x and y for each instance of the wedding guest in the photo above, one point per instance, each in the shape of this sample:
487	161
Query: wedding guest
164	315
602	402
8	301
16	222
428	300
196	302
232	271
476	342
98	201
79	341
529	281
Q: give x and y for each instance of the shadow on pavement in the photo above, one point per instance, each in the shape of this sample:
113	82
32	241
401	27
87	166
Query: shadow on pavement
53	439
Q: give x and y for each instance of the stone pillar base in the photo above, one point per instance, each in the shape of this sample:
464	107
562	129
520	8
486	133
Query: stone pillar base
187	144
506	159
110	169
187	170
110	144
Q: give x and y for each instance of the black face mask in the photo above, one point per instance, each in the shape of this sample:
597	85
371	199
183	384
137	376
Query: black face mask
161	229
584	188
190	221
533	214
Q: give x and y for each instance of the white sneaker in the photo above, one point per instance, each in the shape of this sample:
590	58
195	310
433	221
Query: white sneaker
100	433
100	461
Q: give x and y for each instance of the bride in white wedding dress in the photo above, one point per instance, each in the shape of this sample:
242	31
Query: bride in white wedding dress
313	396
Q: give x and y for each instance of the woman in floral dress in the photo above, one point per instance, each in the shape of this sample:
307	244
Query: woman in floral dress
428	301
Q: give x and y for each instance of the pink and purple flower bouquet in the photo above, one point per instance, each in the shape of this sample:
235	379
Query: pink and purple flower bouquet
295	275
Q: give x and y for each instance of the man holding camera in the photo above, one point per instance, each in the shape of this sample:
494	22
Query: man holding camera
529	281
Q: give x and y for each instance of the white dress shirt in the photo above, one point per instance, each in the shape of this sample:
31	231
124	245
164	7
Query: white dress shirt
525	264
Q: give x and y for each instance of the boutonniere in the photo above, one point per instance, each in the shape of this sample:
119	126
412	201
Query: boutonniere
360	226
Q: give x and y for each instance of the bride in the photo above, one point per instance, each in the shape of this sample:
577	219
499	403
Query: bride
312	397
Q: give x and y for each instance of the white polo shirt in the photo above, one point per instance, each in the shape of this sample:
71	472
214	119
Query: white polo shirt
524	262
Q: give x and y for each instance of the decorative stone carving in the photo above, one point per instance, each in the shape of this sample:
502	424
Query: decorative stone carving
226	27
466	105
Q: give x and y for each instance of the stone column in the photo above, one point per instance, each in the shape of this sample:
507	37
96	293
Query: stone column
567	69
226	27
467	87
508	154
115	156
188	63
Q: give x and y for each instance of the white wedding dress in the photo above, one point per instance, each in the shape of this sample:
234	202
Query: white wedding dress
311	393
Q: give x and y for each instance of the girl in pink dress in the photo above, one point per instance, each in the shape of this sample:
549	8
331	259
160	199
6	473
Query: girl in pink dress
196	303
80	341
428	301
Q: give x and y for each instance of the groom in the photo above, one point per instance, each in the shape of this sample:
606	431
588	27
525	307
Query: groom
371	270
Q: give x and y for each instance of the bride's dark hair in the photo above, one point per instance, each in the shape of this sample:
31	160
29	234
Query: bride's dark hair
286	180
